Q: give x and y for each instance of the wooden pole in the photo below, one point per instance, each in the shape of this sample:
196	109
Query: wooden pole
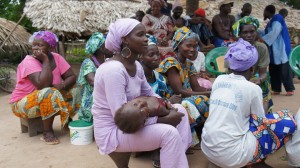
12	31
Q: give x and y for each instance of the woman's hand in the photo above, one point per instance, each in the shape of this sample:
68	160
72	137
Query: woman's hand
59	86
175	99
38	54
174	117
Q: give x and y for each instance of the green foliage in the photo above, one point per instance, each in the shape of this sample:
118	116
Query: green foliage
13	10
76	55
293	3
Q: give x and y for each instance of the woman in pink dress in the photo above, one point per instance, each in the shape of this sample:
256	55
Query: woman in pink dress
122	79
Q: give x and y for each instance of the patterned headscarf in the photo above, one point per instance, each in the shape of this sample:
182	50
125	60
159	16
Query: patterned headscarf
241	55
151	40
94	43
46	36
161	2
117	30
182	34
247	20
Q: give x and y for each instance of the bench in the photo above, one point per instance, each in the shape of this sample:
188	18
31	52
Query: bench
33	126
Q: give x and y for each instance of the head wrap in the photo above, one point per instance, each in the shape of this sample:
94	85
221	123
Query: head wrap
200	12
225	2
46	36
247	20
117	30
182	34
161	2
241	56
151	40
94	43
177	3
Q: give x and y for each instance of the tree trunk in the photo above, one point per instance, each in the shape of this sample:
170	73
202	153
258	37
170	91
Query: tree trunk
191	6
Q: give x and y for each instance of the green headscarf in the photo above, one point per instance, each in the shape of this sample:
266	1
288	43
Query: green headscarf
247	20
94	43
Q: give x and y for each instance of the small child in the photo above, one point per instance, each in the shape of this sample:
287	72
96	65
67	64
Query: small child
132	115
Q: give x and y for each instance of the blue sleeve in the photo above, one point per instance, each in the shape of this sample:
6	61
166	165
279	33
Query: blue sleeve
273	33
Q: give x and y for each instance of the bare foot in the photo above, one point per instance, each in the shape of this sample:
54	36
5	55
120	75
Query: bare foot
49	138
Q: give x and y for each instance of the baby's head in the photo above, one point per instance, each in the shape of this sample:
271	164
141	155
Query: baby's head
131	116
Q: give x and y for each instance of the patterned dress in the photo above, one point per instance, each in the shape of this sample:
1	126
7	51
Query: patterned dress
84	112
196	106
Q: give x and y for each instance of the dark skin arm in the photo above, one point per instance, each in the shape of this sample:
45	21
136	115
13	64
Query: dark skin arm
173	118
90	78
44	78
69	80
219	28
175	83
262	76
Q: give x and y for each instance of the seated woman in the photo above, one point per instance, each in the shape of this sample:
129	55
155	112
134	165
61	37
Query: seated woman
94	46
45	86
122	79
182	78
132	115
160	26
150	61
237	132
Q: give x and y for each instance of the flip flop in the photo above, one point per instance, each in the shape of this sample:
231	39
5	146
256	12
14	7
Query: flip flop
189	151
196	147
156	164
50	143
290	93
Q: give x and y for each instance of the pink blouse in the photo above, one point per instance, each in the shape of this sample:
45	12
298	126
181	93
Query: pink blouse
31	65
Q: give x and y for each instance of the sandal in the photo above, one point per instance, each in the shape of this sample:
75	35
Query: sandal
156	164
189	151
196	147
290	93
49	139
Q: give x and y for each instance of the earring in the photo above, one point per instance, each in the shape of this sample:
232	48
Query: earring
126	52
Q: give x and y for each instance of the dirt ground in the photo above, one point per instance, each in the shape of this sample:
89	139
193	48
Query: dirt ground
20	150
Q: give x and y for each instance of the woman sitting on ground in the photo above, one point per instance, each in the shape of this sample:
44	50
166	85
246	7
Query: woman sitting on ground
161	27
122	79
94	46
45	86
182	78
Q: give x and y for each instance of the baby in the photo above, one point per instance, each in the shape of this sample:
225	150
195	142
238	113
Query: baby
132	115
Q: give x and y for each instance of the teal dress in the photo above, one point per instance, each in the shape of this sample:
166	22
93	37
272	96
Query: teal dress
84	112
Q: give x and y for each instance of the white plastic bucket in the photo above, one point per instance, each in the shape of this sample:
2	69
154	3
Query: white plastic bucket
81	132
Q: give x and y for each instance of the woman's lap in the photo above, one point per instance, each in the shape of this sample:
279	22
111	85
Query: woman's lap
46	103
149	138
271	132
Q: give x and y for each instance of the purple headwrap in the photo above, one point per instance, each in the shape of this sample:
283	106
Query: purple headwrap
117	30
47	36
241	55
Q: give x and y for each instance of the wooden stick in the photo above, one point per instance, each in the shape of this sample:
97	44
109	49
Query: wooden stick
11	32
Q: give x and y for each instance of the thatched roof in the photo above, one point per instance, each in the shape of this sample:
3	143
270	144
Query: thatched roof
79	17
292	20
18	41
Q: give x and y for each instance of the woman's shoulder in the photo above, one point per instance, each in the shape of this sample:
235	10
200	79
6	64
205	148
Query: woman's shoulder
111	66
167	63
